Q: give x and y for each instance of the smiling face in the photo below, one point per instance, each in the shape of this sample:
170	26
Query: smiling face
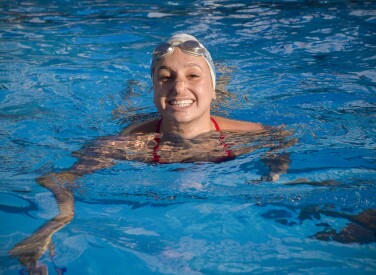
183	88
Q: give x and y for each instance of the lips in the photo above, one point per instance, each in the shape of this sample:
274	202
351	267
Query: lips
180	103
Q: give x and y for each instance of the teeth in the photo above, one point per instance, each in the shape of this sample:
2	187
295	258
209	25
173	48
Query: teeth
181	103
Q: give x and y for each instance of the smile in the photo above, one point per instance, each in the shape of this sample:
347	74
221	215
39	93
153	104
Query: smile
181	103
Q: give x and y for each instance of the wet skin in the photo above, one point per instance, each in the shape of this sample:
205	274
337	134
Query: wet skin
183	93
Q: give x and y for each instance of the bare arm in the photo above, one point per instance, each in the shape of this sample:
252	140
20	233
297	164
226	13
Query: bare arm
32	248
274	139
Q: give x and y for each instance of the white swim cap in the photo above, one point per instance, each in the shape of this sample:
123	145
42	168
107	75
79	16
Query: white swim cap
178	40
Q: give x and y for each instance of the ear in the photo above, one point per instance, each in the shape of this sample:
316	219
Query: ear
214	96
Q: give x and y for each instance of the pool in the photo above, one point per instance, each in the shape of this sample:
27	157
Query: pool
74	71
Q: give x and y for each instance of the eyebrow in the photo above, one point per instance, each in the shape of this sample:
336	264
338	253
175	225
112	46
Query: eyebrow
192	65
163	67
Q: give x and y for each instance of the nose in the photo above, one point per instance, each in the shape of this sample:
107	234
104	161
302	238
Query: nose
179	86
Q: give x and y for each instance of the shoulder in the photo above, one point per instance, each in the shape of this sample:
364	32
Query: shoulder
226	124
145	127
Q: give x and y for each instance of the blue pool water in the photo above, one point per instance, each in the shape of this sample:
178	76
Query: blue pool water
73	71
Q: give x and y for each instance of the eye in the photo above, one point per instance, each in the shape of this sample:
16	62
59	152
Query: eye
193	76
164	78
164	75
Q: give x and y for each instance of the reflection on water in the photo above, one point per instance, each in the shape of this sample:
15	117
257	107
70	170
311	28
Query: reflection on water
104	152
210	147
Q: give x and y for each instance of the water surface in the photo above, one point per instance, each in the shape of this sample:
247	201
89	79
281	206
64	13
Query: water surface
74	71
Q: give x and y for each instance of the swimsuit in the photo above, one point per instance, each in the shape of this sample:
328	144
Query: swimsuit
156	157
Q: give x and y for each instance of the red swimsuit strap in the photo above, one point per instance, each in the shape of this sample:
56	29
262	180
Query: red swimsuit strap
215	124
230	154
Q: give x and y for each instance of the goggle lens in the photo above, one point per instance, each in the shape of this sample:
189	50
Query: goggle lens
189	47
192	47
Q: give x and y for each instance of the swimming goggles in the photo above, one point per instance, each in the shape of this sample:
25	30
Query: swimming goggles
190	47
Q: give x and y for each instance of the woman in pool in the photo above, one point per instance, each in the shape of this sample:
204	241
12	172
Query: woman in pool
184	82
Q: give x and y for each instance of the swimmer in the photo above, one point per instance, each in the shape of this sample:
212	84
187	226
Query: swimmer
184	83
184	80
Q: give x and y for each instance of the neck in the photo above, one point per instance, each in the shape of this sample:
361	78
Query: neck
187	129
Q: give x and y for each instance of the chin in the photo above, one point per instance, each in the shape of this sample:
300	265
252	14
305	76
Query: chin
179	118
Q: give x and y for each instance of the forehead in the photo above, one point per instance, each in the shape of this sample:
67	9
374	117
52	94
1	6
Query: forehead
179	60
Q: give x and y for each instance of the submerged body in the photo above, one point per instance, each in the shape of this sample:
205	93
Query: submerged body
154	147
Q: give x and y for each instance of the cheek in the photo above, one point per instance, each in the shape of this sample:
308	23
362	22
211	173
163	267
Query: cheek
206	89
159	100
158	95
159	89
205	93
